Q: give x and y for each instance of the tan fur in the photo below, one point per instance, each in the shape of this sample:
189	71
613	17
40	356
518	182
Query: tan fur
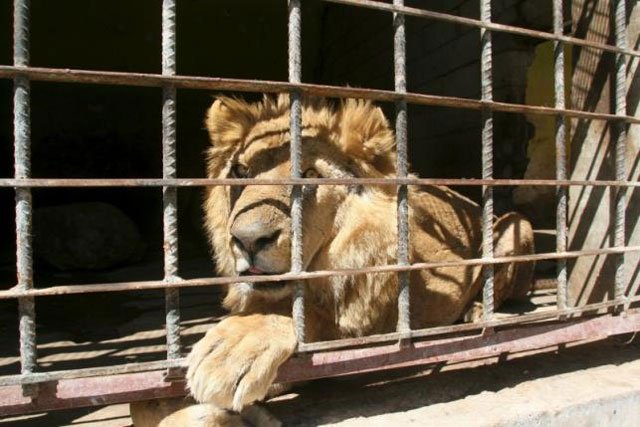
344	227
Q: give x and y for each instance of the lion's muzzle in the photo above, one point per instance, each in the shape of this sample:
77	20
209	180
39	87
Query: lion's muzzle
260	244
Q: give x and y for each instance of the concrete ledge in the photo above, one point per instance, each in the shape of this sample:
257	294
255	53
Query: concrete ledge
603	396
588	385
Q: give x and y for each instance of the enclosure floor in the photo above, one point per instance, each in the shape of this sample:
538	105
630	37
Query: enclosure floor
511	392
134	331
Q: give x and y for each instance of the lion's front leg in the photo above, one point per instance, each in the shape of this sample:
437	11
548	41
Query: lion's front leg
238	359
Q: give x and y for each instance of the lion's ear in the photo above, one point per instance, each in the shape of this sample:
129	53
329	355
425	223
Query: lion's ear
228	120
364	133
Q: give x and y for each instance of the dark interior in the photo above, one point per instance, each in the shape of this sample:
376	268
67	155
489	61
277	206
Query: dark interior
93	131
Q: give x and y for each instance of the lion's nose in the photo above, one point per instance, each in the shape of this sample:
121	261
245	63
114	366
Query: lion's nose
254	237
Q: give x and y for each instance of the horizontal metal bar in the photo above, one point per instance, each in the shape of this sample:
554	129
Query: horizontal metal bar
214	281
457	349
503	28
112	388
566	313
127	368
94	391
225	84
202	182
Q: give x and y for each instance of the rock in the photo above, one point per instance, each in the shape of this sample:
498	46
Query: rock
85	236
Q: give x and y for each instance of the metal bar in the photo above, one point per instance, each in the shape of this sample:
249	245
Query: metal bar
169	171
224	84
83	392
620	148
492	26
459	331
400	78
295	76
150	385
215	281
561	154
200	182
127	368
551	315
24	203
521	338
486	84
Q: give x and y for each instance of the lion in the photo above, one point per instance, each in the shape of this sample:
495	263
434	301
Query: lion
344	227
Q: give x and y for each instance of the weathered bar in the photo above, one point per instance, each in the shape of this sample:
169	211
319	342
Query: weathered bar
295	76
561	154
214	281
620	82
169	171
486	88
445	17
463	328
225	84
463	336
517	333
24	203
200	182
400	85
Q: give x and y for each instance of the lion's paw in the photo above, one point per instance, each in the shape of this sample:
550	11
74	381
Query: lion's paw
238	359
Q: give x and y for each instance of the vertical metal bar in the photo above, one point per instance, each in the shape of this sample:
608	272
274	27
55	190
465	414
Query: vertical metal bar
295	76
620	145
486	84
24	205
400	83
561	155
169	170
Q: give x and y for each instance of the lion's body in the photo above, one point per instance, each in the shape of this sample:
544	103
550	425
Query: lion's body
344	227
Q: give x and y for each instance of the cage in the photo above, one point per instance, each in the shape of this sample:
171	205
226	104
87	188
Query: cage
517	105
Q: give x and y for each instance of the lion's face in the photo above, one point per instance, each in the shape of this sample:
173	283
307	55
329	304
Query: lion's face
250	227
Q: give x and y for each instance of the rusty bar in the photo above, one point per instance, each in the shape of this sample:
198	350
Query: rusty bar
486	84
127	368
200	182
225	84
216	281
295	76
169	171
620	82
109	389
492	26
83	392
462	328
561	154
24	203
400	83
457	349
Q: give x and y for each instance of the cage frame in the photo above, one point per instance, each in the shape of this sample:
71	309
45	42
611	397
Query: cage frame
32	391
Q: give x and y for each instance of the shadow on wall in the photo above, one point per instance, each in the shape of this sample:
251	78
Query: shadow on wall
592	209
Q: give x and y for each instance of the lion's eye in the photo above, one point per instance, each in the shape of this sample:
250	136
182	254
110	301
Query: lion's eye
311	173
239	171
